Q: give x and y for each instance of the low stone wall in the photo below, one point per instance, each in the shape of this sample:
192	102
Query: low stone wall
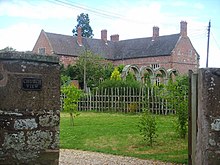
29	108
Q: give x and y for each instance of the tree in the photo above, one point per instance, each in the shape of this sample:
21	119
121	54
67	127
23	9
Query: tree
91	69
83	22
71	99
115	74
148	127
8	49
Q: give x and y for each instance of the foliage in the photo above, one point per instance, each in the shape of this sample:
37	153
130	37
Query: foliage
83	22
131	77
120	67
147	79
71	71
115	75
95	68
132	107
8	49
119	83
177	92
108	69
71	99
147	127
91	69
118	134
65	80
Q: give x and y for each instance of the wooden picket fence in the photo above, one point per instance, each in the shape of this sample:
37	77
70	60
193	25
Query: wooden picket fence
126	100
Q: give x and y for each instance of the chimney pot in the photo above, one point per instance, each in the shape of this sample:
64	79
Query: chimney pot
155	32
104	35
183	28
114	37
79	36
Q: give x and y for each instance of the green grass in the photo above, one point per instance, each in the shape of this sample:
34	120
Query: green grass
118	134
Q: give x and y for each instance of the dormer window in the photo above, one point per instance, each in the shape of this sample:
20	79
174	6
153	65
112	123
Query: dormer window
42	51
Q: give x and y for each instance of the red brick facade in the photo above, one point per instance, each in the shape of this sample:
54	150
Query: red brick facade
42	42
182	58
67	60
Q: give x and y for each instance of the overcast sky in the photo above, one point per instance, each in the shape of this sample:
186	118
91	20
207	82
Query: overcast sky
22	20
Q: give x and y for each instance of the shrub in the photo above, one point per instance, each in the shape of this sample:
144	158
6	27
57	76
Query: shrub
177	93
72	95
119	83
115	75
147	127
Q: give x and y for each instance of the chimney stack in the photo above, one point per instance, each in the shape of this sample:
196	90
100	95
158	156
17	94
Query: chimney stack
114	37
104	35
183	28
79	36
155	33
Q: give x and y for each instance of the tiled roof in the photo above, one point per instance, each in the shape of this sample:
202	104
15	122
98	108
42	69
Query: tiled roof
124	49
64	44
145	47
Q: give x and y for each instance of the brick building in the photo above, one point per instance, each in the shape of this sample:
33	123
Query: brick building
173	51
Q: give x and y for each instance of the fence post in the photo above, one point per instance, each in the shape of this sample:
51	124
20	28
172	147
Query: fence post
192	117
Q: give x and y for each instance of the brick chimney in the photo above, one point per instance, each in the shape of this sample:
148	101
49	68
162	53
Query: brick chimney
183	28
155	33
104	35
114	37
79	36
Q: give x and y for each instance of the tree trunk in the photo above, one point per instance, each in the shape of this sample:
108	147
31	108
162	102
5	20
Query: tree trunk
71	119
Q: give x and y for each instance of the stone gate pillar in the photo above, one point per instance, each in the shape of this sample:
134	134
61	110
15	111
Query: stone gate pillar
208	122
29	109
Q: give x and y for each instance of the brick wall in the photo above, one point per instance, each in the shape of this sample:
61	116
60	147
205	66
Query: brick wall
67	60
42	40
184	56
163	61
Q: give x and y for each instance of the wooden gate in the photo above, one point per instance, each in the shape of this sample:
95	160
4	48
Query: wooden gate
192	116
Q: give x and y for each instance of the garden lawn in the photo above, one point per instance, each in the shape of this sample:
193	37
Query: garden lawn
119	134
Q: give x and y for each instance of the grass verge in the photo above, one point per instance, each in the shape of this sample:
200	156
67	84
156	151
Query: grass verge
118	134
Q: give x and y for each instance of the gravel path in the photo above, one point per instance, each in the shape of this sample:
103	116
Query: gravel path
76	157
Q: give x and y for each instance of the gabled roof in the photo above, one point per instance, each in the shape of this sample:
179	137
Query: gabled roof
124	49
64	44
146	47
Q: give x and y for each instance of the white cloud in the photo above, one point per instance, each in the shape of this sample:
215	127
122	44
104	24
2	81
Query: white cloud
137	20
21	37
199	6
29	9
179	3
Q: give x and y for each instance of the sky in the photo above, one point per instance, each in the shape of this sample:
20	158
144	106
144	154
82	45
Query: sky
21	21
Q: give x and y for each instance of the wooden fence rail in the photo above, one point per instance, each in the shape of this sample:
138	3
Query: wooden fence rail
126	100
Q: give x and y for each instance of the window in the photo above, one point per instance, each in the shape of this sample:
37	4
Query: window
157	81
190	52
42	51
155	66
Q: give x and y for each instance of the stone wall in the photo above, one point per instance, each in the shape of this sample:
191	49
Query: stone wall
208	122
29	108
